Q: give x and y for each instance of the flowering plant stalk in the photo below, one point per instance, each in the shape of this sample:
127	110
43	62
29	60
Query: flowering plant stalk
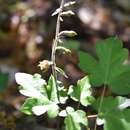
108	71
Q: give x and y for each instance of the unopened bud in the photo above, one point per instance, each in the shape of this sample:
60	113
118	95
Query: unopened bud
69	3
67	13
65	5
66	50
68	33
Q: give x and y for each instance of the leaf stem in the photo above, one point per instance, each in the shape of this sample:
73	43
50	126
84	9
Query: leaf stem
102	96
55	42
100	105
104	87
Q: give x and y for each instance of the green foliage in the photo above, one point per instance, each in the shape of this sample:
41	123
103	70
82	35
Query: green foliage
113	113
29	104
51	90
82	92
71	44
43	97
51	108
3	81
39	107
31	86
63	94
75	119
53	111
109	68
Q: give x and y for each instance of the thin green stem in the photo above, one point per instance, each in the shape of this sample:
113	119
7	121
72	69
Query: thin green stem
101	100
104	87
100	105
55	42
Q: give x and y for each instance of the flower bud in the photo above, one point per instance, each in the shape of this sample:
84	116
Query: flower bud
68	33
44	65
69	3
66	50
67	13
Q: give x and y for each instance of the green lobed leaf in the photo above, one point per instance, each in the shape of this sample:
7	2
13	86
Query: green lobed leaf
53	111
75	119
63	94
114	116
109	69
82	92
69	109
39	107
52	90
43	97
31	85
64	113
30	103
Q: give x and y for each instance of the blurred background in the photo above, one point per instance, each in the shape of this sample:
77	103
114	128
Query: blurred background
27	30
